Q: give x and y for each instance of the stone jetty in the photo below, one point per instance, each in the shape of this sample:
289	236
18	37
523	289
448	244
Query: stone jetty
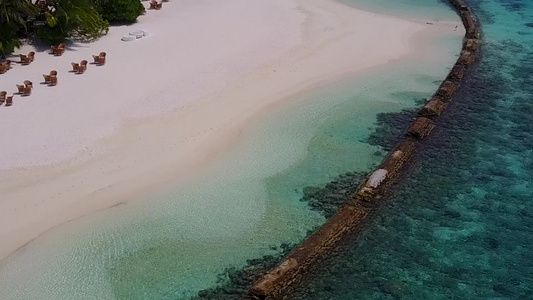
358	211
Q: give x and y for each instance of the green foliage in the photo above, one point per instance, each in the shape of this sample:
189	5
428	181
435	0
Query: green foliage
79	19
51	21
8	39
72	18
51	35
119	10
13	14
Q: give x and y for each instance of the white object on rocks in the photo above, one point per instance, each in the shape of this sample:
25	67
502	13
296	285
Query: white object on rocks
376	178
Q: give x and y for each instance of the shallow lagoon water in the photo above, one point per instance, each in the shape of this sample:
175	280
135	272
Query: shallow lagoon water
417	9
178	241
460	225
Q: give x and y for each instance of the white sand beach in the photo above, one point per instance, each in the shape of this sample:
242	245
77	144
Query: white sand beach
169	103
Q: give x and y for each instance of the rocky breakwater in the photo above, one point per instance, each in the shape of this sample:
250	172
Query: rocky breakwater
352	217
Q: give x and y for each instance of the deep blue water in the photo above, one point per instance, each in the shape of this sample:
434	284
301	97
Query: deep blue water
460	224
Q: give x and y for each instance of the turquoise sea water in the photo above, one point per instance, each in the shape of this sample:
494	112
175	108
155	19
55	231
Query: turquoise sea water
460	225
178	242
417	9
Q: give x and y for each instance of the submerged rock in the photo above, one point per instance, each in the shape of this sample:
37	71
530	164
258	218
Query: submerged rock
333	195
310	191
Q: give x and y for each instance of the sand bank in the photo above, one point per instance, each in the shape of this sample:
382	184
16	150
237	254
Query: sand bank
165	105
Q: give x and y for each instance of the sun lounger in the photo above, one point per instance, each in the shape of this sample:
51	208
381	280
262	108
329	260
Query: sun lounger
9	101
100	59
28	83
46	78
25	60
31	56
53	80
26	91
82	67
59	50
20	88
155	5
5	66
75	67
3	96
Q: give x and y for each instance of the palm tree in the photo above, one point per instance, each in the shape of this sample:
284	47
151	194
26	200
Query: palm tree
72	18
13	15
16	11
64	18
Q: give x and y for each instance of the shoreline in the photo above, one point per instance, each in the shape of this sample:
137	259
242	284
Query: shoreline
359	211
105	193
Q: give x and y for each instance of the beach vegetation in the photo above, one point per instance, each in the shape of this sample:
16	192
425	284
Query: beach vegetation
8	39
15	12
13	16
54	21
76	19
119	11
